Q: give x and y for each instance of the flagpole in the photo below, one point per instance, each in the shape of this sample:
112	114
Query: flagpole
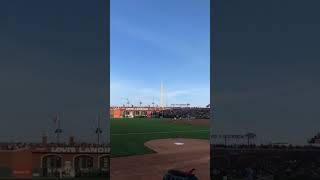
58	130
98	130
58	133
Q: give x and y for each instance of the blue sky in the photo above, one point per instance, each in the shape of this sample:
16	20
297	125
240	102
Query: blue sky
154	41
266	66
52	59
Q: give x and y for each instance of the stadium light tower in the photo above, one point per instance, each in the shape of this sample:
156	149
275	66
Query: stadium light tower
98	130
58	130
128	103
153	102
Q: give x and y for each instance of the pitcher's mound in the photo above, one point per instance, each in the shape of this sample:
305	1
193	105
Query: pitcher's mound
177	145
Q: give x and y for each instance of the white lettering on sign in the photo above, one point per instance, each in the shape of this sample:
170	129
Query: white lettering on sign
63	149
102	150
80	150
94	150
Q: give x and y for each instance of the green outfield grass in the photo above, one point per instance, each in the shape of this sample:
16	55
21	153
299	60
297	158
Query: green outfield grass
129	135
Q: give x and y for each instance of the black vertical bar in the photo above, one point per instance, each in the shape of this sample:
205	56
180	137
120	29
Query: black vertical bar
107	98
212	79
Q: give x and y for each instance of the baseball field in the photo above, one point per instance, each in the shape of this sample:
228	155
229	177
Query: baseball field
146	148
129	135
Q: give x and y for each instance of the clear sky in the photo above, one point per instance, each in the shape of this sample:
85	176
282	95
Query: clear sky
52	59
266	67
154	41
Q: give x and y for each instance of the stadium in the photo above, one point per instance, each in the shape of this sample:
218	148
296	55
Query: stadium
64	158
163	138
72	159
160	138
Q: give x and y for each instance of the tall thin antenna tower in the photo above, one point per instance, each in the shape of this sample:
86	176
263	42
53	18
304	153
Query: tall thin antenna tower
164	98
161	95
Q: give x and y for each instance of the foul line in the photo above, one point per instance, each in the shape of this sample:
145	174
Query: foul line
163	132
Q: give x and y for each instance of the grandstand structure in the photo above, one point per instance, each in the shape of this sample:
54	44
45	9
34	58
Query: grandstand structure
72	159
156	112
55	159
132	111
182	110
266	161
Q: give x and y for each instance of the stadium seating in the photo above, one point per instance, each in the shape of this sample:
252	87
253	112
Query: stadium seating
185	113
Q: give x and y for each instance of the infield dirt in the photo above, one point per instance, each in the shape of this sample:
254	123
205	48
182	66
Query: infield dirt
194	153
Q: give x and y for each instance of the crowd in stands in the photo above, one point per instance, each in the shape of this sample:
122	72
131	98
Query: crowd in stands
255	164
274	169
185	113
265	146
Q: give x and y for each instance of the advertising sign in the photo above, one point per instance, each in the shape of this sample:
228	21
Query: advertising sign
22	173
